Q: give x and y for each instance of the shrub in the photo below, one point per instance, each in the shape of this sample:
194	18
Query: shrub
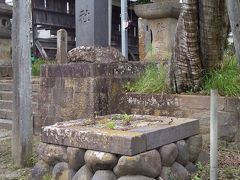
36	65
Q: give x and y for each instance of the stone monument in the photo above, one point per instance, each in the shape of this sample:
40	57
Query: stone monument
5	39
157	26
92	22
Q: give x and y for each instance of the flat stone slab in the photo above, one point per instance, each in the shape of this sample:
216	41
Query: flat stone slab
141	133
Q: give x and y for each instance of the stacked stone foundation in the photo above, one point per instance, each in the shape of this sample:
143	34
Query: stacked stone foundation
175	160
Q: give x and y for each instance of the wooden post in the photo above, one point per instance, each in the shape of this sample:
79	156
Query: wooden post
22	104
233	7
62	42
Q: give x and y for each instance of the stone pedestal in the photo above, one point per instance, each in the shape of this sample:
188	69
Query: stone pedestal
157	27
92	22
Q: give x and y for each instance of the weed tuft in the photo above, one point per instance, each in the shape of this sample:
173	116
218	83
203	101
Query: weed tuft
226	78
153	80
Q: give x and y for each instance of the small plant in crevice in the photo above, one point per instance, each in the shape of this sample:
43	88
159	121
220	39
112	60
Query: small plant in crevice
153	80
111	125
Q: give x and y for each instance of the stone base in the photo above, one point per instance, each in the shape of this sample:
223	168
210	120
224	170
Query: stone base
175	159
5	52
6	71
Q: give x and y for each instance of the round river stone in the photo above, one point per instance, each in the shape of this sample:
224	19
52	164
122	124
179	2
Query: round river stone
83	174
146	164
100	160
168	154
183	152
61	171
75	158
104	175
195	146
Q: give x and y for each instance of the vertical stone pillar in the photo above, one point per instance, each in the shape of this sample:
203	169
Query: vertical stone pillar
22	103
92	22
62	42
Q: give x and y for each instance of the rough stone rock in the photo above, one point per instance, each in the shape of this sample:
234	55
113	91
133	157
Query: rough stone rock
83	174
100	160
194	146
168	154
61	171
179	171
137	177
75	158
39	170
166	173
95	54
104	175
191	167
204	157
52	154
147	164
183	153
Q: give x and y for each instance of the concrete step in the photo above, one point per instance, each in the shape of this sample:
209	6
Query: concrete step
8	95
8	104
5	124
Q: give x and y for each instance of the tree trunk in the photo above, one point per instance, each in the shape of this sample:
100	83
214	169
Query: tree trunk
199	42
186	62
213	23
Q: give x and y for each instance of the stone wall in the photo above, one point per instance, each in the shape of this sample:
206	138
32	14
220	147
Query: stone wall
80	90
186	106
175	160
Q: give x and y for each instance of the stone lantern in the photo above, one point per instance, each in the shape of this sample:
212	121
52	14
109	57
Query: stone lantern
157	26
5	34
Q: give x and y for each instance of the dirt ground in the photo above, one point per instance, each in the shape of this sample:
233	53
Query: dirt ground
229	161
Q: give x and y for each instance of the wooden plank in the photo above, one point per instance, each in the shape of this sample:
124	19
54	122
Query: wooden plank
22	103
233	7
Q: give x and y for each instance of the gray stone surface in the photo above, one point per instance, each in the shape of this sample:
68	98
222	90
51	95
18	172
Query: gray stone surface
204	157
90	15
130	142
183	152
191	167
61	171
137	177
113	141
166	173
52	154
39	170
75	158
147	164
168	154
104	175
95	54
195	146
159	135
179	171
100	160
83	174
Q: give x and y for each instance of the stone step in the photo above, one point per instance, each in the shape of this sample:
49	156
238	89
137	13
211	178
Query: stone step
7	114
8	104
5	124
8	87
8	95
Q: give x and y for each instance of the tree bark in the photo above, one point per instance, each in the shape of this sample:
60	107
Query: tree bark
186	62
213	25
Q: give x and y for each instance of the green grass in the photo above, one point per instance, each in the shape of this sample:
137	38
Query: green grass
225	79
153	80
36	65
